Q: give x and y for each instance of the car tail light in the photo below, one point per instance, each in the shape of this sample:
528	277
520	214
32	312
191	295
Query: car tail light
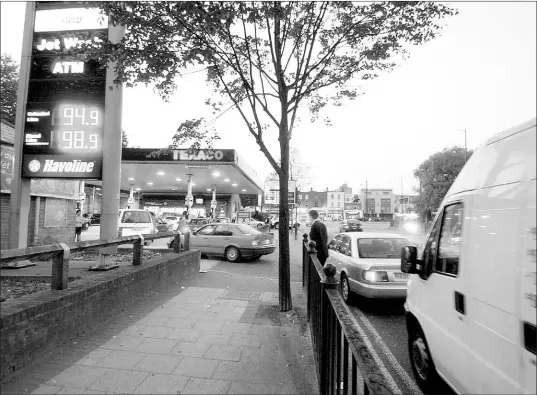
374	276
255	243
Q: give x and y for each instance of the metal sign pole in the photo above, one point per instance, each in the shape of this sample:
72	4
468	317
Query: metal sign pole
111	156
20	188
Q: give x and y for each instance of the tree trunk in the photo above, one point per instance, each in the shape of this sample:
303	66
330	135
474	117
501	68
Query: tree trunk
284	257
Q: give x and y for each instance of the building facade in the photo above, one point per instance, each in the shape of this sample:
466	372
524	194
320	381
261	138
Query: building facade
335	202
313	200
378	202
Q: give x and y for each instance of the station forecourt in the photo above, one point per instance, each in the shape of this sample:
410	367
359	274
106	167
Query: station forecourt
160	183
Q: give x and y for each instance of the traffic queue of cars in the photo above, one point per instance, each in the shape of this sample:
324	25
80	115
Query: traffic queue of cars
470	294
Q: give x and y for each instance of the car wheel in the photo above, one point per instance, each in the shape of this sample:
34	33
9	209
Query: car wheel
259	225
232	254
421	360
85	226
276	226
345	288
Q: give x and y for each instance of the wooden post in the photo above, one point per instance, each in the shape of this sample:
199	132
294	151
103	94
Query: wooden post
60	268
187	241
138	251
304	259
177	243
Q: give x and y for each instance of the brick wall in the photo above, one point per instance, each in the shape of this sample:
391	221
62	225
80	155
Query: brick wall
45	235
40	321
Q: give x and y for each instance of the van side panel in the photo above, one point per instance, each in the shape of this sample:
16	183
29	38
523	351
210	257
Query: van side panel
528	281
492	309
500	209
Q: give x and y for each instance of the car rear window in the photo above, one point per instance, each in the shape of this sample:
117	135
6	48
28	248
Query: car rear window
136	217
353	221
381	247
172	218
247	230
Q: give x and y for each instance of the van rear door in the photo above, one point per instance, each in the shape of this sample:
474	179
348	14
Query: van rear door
527	309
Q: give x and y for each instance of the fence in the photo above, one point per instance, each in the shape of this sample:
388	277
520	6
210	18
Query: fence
340	353
60	253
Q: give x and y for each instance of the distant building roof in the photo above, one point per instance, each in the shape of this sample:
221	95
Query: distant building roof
8	132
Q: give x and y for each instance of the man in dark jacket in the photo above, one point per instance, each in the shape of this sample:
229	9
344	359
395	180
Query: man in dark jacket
319	235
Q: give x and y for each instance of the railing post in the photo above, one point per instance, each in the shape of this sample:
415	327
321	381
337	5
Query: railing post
327	356
187	241
309	265
60	268
138	251
304	259
177	243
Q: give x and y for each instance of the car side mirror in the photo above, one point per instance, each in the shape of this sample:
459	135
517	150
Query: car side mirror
409	260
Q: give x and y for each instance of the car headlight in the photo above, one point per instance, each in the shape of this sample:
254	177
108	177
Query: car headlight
374	276
255	243
411	227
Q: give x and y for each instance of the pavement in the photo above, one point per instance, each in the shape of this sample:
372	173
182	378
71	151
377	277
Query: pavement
219	332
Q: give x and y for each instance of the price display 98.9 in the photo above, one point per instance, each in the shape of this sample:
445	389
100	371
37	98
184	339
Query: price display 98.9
76	127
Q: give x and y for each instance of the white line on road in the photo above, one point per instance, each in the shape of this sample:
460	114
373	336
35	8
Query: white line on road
409	382
391	382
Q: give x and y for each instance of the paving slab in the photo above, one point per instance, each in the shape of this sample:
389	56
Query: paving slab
196	340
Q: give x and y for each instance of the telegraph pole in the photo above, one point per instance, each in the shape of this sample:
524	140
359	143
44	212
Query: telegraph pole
465	148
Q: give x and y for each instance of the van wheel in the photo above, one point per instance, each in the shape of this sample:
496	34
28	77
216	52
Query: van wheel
276	226
345	289
421	360
232	254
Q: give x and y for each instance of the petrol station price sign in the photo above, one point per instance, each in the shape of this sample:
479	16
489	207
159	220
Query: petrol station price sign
64	123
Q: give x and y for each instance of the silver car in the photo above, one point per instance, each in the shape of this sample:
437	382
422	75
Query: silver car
368	264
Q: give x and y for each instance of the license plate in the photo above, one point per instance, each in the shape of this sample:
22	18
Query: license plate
401	276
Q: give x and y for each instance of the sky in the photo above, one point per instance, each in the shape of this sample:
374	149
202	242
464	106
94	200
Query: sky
478	76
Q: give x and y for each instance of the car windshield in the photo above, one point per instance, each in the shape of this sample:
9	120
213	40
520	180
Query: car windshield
136	217
171	218
247	230
381	247
353	221
198	221
223	220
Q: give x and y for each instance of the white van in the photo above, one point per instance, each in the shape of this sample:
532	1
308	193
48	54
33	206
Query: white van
470	304
136	222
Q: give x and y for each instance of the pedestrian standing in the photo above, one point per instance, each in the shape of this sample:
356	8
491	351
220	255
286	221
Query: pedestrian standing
319	235
78	225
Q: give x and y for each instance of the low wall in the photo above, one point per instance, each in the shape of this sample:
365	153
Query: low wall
38	321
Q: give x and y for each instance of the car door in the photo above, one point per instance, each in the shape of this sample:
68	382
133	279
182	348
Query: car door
442	302
222	237
344	256
203	239
333	254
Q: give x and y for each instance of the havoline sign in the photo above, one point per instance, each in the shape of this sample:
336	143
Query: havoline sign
61	166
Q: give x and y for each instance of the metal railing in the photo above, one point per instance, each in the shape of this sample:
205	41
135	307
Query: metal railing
60	253
344	362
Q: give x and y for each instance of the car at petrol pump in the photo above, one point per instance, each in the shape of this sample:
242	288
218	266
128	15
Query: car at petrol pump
368	264
136	222
164	226
232	241
196	223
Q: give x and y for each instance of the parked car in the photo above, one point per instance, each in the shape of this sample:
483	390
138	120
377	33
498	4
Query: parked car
350	225
470	308
196	223
255	223
223	220
231	241
173	220
137	222
367	264
275	223
163	226
95	219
